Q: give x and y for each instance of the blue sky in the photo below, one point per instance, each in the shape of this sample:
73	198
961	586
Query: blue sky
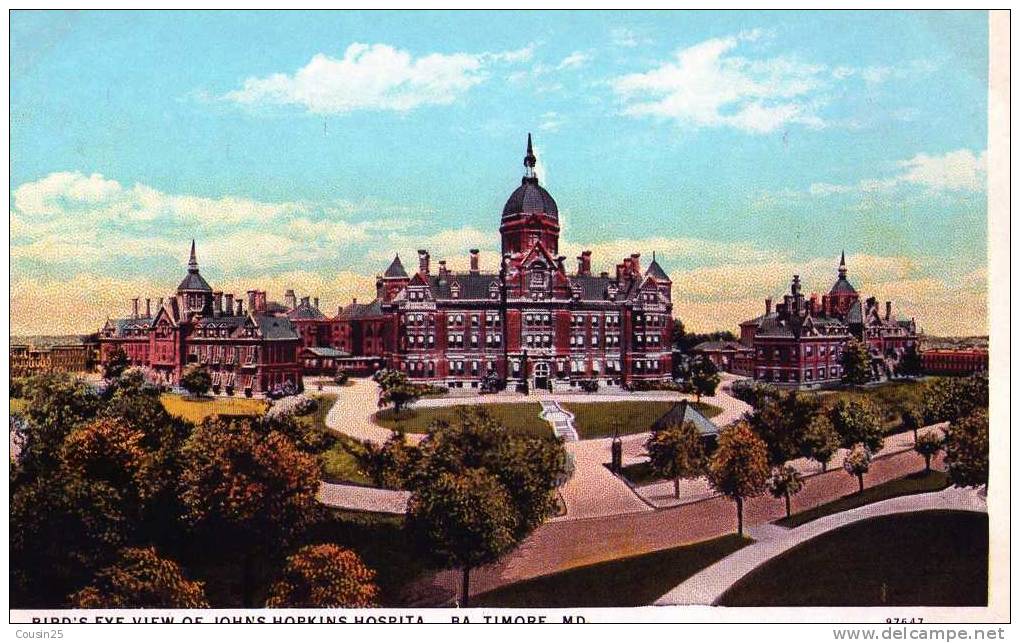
302	149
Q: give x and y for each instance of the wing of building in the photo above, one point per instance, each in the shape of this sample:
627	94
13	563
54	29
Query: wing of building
799	341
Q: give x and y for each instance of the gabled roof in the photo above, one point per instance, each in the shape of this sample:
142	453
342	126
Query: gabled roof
396	269
721	345
323	351
305	311
273	327
361	311
682	412
194	281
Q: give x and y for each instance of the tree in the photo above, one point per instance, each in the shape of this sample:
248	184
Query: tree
927	445
196	380
393	464
676	452
785	482
678	334
246	492
912	418
62	528
110	451
954	398
857	421
856	363
820	441
857	462
739	467
782	421
910	364
704	377
396	389
140	578
465	520
529	468
966	449
117	363
324	576
56	404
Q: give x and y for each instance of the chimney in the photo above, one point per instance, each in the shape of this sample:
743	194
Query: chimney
604	274
228	303
148	308
888	310
474	261
584	263
289	300
635	262
217	303
814	304
260	301
304	301
315	301
134	308
559	263
423	262
160	303
619	271
379	291
354	301
443	272
240	308
768	305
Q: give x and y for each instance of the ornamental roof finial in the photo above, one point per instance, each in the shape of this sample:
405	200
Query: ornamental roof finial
193	262
530	160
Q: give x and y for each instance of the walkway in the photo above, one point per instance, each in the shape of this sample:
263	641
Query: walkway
357	498
708	586
564	543
562	421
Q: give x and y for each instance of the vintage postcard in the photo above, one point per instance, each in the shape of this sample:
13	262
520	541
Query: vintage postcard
479	316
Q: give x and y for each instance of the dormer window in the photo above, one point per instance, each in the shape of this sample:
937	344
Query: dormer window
455	290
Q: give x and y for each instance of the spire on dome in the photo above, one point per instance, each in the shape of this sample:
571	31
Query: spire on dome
192	262
842	264
530	160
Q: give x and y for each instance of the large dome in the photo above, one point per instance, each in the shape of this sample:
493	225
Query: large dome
530	198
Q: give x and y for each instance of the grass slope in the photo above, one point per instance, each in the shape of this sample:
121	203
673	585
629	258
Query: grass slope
197	409
520	417
914	483
924	558
625	582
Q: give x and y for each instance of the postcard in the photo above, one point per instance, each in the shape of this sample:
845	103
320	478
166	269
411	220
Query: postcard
509	316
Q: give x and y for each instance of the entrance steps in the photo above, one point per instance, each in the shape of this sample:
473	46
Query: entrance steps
562	421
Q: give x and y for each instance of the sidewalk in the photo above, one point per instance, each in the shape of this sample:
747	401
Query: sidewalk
708	586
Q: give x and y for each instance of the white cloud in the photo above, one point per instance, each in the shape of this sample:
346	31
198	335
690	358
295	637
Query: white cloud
961	170
705	85
375	77
574	60
551	122
623	37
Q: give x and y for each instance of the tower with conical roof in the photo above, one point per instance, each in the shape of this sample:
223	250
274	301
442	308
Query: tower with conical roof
194	291
530	215
843	295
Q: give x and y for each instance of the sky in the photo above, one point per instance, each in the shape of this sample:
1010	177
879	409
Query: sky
303	149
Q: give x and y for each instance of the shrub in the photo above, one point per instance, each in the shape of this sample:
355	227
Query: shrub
589	386
293	406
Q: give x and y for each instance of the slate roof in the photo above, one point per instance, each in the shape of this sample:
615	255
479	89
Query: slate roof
842	285
722	345
772	325
684	412
655	270
360	311
856	313
396	269
305	311
472	285
530	198
323	351
120	326
592	286
194	281
273	327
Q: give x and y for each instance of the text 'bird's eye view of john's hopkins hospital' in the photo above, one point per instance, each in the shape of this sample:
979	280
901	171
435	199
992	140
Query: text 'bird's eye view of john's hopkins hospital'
513	310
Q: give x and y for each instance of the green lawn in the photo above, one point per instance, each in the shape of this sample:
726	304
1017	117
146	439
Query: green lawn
344	461
625	582
18	404
197	409
599	419
909	485
923	558
521	417
891	398
640	473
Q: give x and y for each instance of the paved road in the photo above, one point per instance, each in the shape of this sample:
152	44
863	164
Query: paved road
562	544
708	586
